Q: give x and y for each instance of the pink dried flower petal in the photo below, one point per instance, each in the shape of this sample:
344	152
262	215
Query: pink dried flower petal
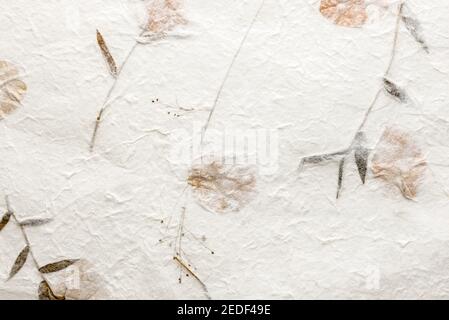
348	13
399	161
164	16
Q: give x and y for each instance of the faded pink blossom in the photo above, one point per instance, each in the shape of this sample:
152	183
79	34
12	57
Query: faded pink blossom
164	16
399	162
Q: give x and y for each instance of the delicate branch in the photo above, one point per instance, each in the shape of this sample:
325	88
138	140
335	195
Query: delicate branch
190	271
45	291
395	41
163	16
358	134
180	235
26	240
106	103
179	255
228	72
330	156
387	73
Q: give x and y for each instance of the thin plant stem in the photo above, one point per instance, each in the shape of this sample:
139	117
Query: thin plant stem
183	265
376	97
367	113
387	72
178	245
228	72
106	102
395	41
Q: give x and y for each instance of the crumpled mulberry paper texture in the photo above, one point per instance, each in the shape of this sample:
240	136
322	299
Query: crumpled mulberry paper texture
258	149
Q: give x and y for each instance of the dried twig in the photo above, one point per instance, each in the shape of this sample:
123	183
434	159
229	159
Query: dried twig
228	72
106	104
179	254
354	142
395	41
26	239
190	271
163	17
45	291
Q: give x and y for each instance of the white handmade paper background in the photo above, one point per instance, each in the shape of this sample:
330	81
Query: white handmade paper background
298	75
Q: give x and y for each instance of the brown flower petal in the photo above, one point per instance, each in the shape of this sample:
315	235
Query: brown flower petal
347	13
164	16
220	187
399	162
12	89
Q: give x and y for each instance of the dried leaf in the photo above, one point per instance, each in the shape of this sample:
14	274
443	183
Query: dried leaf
57	266
318	159
5	219
34	222
20	261
107	54
361	160
341	167
395	91
12	89
399	162
322	157
222	187
414	27
347	13
45	292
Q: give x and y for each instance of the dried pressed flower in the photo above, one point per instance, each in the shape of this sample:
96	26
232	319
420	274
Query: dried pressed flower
399	161
163	16
79	281
347	13
220	187
12	89
355	13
